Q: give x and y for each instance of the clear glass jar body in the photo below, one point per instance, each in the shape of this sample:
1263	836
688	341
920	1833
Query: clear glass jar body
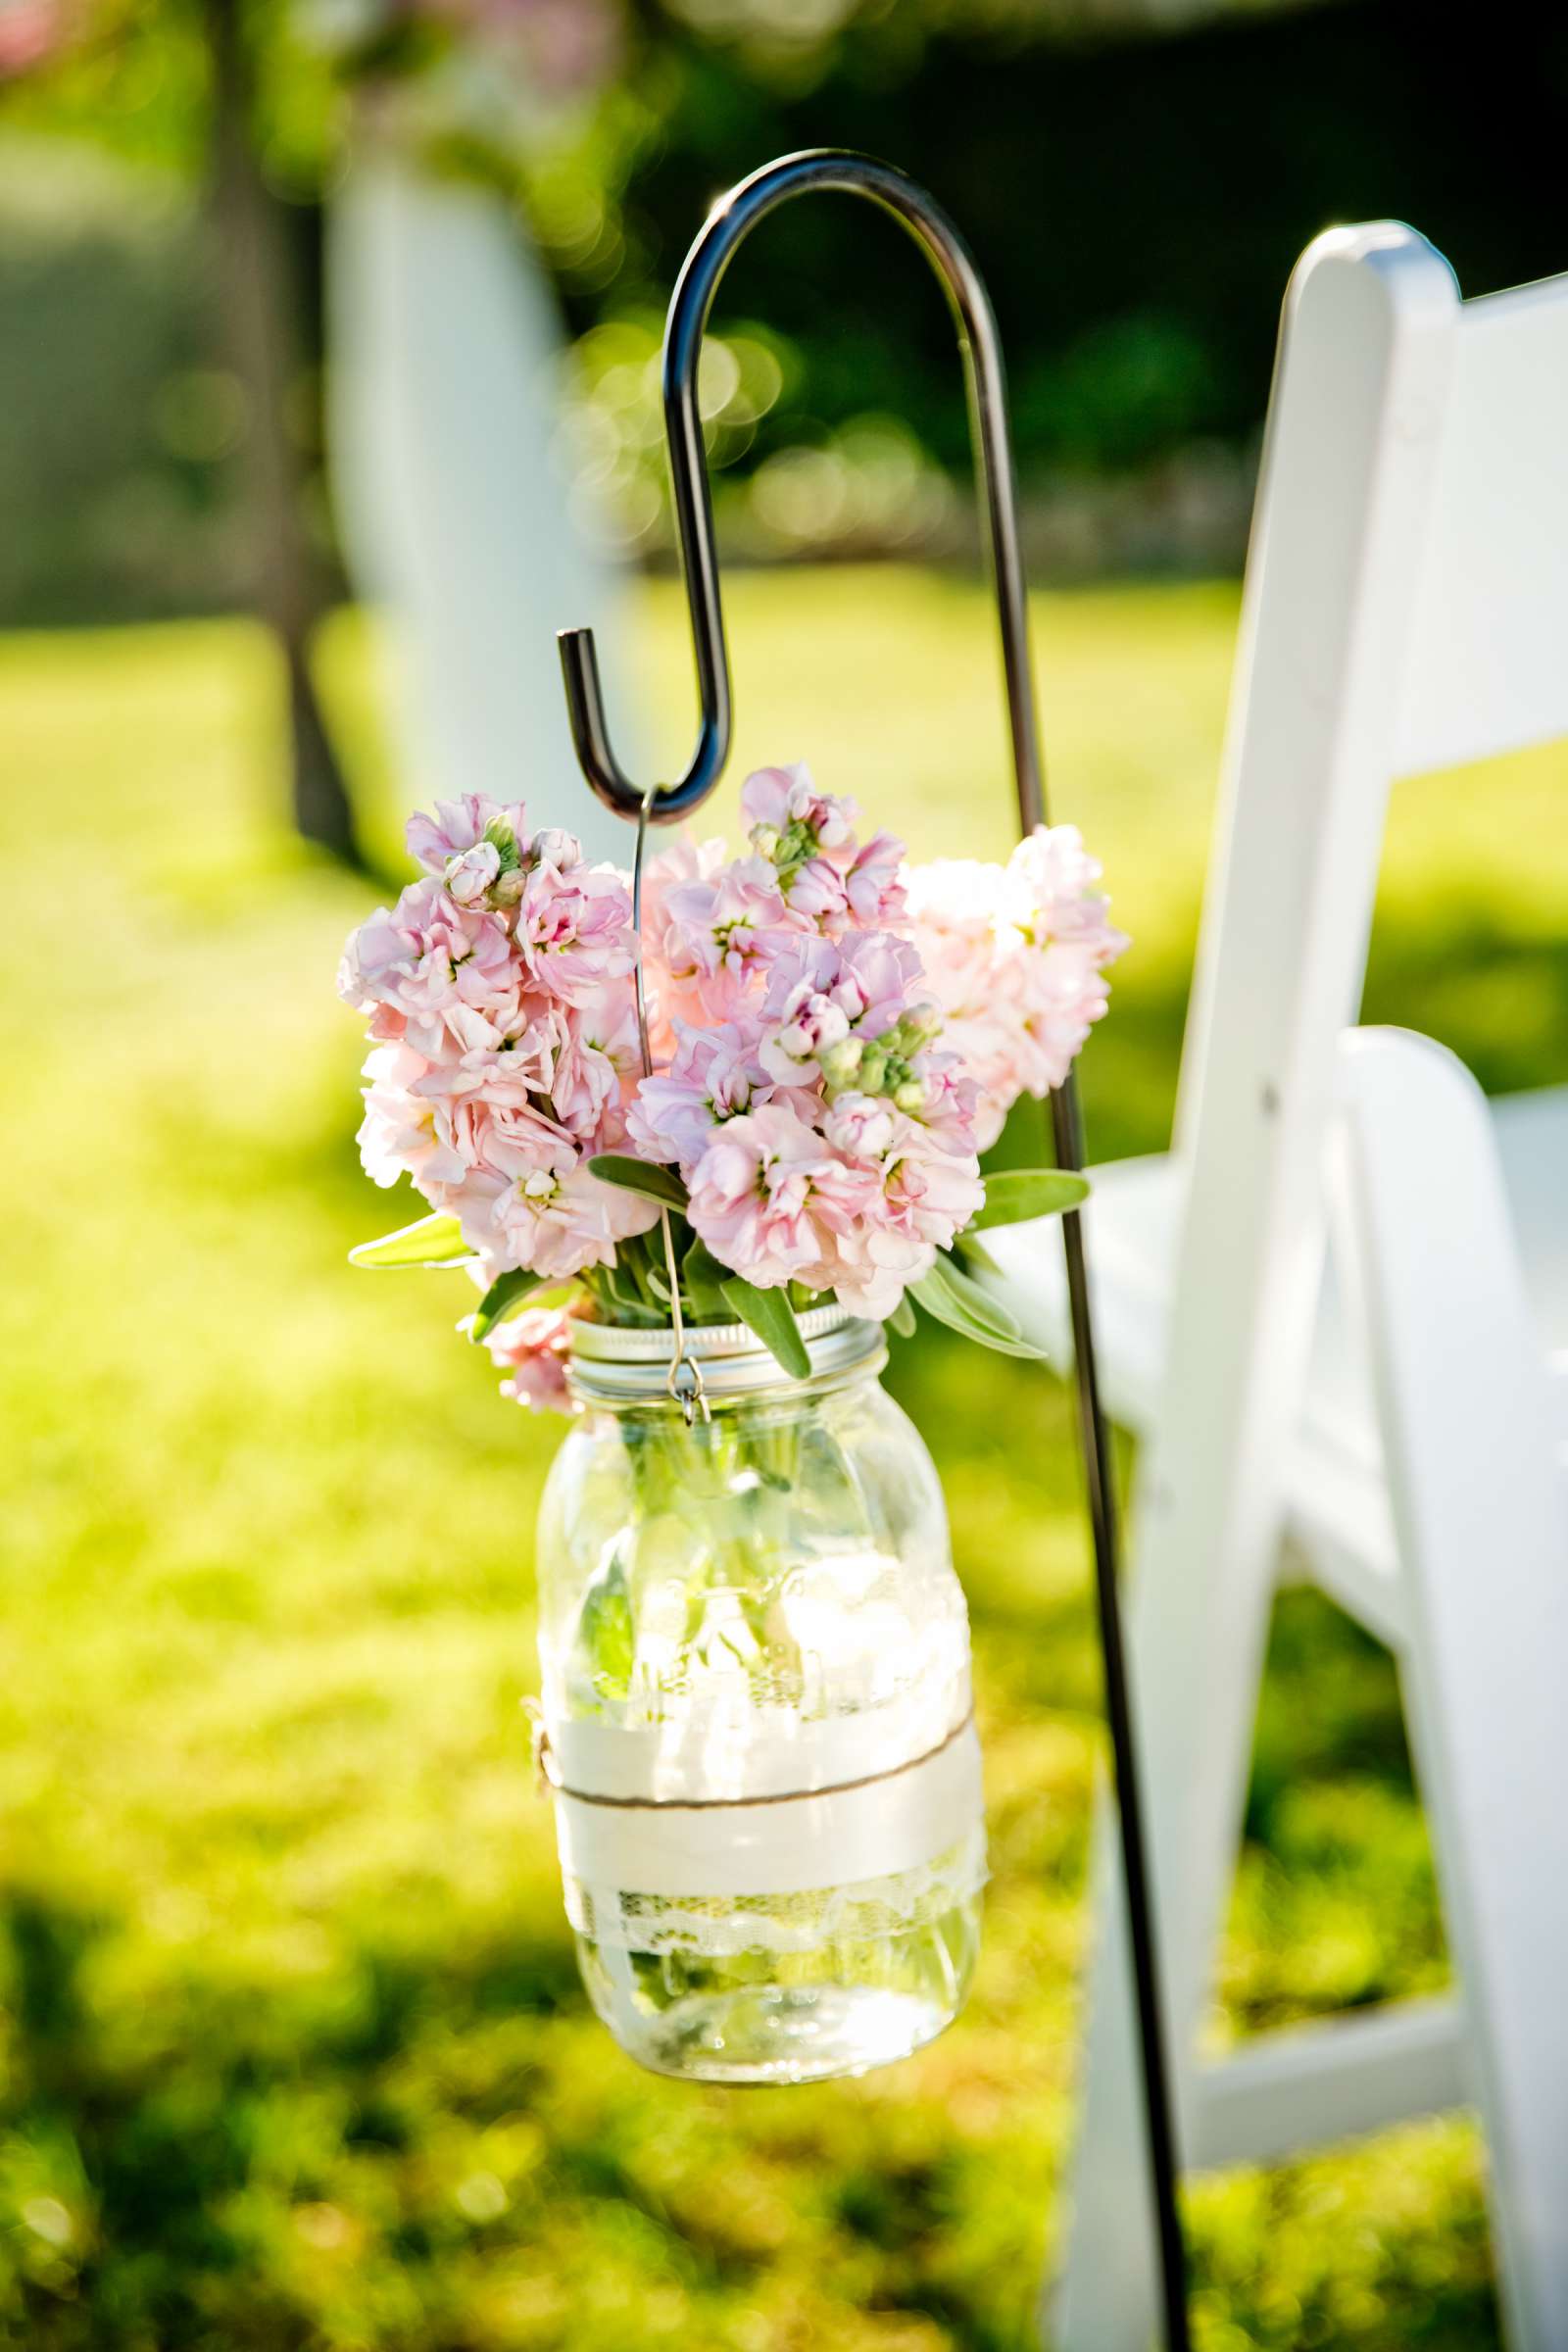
756	1694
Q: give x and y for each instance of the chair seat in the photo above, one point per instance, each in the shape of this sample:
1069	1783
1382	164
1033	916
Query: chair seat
1338	1517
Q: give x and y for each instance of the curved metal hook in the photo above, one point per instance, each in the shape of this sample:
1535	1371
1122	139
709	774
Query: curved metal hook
728	226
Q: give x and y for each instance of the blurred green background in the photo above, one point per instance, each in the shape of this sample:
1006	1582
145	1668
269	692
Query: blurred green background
294	2051
1138	174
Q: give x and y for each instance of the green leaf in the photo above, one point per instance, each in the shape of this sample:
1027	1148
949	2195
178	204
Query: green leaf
951	1297
901	1320
703	1280
970	1252
607	1638
770	1315
433	1242
630	1305
1013	1194
978	1303
639	1176
506	1292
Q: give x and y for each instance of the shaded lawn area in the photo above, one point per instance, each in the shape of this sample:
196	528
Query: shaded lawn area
296	2055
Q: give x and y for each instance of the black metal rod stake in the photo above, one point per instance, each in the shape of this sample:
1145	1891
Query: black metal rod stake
728	226
1098	1474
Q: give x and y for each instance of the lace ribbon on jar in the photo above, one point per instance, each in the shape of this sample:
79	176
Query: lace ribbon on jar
720	1927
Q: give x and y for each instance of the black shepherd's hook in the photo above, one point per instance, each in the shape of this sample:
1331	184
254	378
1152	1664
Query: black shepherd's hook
728	226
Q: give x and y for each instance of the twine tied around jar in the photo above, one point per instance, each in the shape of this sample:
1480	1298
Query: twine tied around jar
549	1782
685	1381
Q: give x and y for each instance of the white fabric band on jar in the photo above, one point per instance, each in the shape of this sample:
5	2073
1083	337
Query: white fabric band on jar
748	1750
899	1820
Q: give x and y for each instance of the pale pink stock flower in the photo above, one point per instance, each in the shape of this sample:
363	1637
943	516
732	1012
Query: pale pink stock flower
597	1064
861	1126
807	1023
882	972
777	798
501	1140
532	1348
836	883
439	1124
668	997
918	1195
816	892
932	1193
1058	995
714	1076
472	874
819	989
925	1203
561	849
956	902
1048	893
508	1060
574	928
722	932
1057	939
752	1195
420	968
873	886
1014	956
405	1133
685	860
950	1111
459	826
550	1216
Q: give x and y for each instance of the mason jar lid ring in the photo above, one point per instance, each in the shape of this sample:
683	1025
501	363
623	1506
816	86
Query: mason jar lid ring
628	1363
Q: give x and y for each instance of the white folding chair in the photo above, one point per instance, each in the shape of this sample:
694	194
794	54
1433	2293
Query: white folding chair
1406	607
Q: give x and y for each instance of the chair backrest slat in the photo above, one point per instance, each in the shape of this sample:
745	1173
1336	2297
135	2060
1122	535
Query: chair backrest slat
1403	610
1355	435
1487	663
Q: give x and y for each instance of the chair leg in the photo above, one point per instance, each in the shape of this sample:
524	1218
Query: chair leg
1481	1506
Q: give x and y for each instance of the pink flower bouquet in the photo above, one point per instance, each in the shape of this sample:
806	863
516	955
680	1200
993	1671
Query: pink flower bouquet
836	1035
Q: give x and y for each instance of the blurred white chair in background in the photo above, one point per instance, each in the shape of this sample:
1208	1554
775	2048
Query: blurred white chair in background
456	515
1395	1439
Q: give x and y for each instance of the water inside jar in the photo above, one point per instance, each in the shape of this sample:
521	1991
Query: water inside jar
837	2003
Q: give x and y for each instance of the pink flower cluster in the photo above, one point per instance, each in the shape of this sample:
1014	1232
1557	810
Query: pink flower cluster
503	1038
1015	956
836	1038
823	1138
531	1349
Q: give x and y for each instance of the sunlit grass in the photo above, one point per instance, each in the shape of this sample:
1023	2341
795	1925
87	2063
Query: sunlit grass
296	2053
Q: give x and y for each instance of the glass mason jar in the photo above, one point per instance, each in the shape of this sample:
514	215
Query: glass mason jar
755	1708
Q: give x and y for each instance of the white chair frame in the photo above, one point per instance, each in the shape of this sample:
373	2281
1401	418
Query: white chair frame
1405	607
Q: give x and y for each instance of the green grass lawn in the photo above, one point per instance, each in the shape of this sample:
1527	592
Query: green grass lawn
295	2054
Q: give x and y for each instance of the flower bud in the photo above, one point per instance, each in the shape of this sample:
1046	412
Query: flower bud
909	1097
765	841
840	1064
470	874
553	847
874	1071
